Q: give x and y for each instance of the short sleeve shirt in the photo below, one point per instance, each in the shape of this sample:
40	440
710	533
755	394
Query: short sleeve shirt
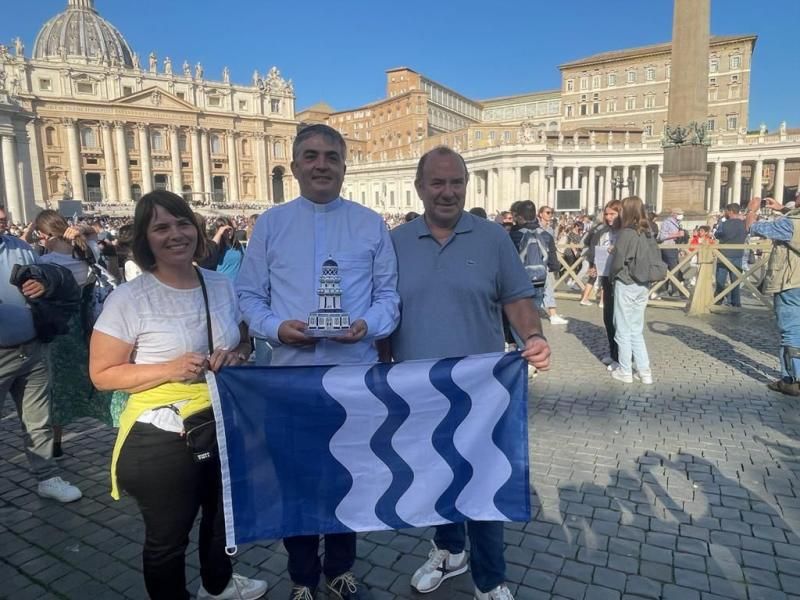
452	294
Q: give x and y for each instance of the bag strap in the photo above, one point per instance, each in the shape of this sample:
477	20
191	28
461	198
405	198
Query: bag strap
208	312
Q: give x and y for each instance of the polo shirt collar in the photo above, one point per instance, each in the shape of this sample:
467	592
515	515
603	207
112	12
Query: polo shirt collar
316	207
464	225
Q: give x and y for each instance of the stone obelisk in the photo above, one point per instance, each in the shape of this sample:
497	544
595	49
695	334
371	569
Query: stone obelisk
685	150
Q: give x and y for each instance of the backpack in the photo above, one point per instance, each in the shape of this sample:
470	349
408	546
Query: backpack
534	255
647	266
101	284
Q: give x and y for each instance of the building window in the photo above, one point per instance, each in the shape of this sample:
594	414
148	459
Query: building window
182	142
612	79
157	141
478	135
713	93
84	87
595	108
583	110
216	144
669	71
46	85
650	74
611	106
630	103
50	136
181	95
568	110
506	136
734	79
732	122
277	150
88	138
710	124
127	90
712	81
275	105
595	82
713	65
242	104
491	135
584	83
130	140
648	130
214	101
245	147
631	76
734	91
408	198
736	62
650	101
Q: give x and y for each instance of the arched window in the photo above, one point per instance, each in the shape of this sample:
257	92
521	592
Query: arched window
157	141
245	148
50	136
88	138
216	144
277	150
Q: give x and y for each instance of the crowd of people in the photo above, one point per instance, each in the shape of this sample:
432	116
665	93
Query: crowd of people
119	319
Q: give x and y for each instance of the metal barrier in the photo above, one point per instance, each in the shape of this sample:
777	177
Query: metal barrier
698	298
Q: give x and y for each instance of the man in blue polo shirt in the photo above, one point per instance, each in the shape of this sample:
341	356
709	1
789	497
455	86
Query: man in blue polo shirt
456	275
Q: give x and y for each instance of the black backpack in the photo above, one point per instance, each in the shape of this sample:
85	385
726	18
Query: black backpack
647	266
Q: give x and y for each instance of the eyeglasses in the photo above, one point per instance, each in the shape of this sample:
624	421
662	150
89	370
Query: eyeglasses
548	212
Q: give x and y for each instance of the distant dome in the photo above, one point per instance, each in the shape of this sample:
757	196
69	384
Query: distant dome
79	32
330	263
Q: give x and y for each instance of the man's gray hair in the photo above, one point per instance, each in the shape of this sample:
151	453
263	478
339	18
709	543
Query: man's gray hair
326	131
439	151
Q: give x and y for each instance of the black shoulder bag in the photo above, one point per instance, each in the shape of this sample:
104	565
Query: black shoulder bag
200	428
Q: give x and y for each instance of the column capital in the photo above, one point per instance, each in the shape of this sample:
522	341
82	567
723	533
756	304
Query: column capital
119	124
141	126
69	121
171	128
259	135
106	125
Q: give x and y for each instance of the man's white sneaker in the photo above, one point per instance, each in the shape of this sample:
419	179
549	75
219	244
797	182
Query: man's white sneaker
586	302
645	378
58	489
558	320
238	588
501	592
440	565
619	375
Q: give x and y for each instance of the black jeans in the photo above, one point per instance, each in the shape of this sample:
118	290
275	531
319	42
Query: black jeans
304	563
157	469
608	316
672	258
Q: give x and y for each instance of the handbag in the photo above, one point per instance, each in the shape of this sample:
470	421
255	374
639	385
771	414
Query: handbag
200	428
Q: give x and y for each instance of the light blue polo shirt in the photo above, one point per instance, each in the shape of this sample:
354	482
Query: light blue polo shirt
452	294
16	320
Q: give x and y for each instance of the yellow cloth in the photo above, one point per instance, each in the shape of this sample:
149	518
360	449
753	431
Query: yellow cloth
196	395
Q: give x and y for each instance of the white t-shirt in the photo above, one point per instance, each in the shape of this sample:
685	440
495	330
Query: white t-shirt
132	270
164	323
80	269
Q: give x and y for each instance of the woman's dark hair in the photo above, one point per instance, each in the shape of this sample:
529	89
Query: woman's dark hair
218	224
634	215
145	210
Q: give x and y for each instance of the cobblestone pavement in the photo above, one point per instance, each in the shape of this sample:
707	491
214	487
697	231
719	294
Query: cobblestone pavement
687	489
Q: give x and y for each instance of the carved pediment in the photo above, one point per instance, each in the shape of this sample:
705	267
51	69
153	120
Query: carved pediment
154	97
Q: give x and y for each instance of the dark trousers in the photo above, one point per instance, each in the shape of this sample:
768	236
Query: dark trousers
304	563
157	469
608	316
723	273
486	559
672	258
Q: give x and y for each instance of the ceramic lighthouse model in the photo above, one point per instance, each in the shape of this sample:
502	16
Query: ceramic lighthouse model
329	320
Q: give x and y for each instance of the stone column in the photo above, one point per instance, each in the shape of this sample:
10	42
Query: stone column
74	152
737	181
758	168
262	168
175	159
608	191
557	185
144	158
716	186
233	168
197	169
533	184
643	183
515	186
112	187
591	192
626	173
11	178
601	185
123	164
780	169
542	197
659	191
205	151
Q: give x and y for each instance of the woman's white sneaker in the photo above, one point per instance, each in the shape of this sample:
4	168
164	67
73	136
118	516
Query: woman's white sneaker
501	592
441	565
238	588
58	489
645	378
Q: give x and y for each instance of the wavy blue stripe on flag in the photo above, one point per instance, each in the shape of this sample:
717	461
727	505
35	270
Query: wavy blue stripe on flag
311	450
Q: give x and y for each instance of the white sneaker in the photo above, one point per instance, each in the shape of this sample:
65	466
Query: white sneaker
619	375
645	378
58	489
613	365
558	320
501	592
440	565
586	303
238	588
600	305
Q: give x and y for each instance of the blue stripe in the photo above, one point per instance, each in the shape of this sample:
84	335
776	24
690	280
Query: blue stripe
513	499
460	405
284	480
381	445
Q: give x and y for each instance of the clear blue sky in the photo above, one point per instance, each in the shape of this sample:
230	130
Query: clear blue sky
338	51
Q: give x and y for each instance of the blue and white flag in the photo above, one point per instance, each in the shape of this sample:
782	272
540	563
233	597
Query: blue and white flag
310	450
